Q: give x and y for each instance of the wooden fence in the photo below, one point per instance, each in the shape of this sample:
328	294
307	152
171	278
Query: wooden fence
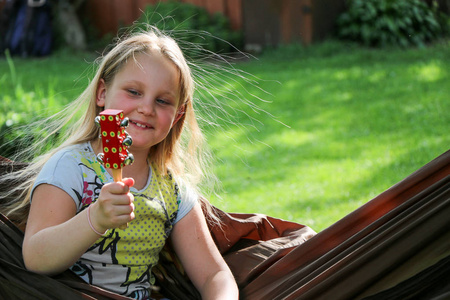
107	15
263	22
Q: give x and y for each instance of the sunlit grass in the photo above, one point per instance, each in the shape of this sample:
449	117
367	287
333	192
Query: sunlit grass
349	123
359	121
32	89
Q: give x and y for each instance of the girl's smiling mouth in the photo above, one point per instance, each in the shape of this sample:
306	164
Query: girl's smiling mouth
141	125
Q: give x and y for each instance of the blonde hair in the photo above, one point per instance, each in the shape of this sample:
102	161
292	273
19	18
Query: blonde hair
181	152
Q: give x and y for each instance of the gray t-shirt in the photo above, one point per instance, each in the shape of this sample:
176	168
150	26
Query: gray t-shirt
121	260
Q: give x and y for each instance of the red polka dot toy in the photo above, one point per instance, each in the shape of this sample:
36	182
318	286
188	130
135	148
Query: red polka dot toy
115	142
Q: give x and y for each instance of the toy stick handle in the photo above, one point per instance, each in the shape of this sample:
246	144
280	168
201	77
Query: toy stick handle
117	176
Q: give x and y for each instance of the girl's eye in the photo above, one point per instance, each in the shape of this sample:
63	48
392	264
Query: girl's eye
134	92
162	101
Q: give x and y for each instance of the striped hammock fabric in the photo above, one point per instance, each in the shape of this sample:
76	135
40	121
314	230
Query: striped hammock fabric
396	246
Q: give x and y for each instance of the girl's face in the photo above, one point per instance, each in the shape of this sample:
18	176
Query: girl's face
147	90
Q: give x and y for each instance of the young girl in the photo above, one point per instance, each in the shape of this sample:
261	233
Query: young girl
76	208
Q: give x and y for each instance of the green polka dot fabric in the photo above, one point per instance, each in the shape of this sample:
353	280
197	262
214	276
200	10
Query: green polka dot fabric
122	260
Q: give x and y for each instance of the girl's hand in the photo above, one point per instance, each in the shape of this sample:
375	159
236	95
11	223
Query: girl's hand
114	206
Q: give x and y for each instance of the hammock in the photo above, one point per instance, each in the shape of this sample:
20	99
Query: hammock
396	246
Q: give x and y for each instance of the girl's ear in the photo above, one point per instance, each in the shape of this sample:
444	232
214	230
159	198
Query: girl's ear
101	93
180	113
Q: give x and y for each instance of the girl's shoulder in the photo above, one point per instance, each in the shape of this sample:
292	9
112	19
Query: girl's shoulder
83	148
69	158
77	151
71	169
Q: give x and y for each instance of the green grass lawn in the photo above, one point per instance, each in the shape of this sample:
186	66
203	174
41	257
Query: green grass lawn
30	88
338	126
359	122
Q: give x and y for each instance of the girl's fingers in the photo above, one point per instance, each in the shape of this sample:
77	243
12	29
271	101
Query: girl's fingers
117	188
124	214
115	203
122	187
121	200
111	216
128	181
124	209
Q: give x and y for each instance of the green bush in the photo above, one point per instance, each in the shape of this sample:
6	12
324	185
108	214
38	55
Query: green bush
192	25
382	23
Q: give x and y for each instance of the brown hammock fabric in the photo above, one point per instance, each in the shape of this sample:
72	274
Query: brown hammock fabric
396	246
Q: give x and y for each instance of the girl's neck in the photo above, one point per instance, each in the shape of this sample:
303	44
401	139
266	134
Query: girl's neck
139	170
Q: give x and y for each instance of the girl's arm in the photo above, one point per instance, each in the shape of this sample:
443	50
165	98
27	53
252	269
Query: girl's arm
56	237
201	259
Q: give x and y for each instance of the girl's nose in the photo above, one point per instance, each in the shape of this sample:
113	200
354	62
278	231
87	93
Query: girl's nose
147	107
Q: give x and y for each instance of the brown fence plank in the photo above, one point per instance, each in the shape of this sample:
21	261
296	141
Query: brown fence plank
108	15
234	12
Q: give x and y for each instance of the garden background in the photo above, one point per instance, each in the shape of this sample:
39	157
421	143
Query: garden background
302	133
